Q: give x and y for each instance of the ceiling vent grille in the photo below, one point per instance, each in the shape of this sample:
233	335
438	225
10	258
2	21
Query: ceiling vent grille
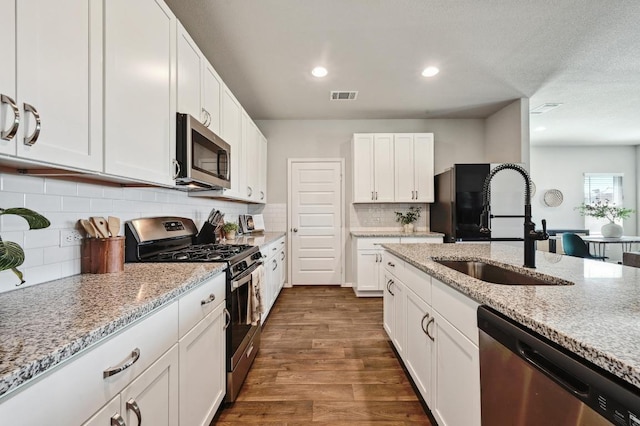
541	109
343	95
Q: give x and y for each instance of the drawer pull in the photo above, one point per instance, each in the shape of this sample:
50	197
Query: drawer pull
208	300
135	355
228	321
389	288
33	138
431	321
117	420
11	132
133	406
393	265
282	256
424	329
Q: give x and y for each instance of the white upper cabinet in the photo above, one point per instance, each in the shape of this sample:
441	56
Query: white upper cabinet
51	73
231	132
140	90
199	85
414	167
373	168
262	163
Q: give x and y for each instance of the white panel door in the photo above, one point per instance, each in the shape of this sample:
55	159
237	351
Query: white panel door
231	132
190	67
368	270
404	168
363	168
316	223
383	168
423	167
59	74
104	417
8	74
140	92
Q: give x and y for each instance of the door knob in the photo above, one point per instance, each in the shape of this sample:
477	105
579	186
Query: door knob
295	229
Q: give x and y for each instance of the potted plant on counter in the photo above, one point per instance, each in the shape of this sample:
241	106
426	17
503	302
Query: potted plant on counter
230	229
407	219
604	210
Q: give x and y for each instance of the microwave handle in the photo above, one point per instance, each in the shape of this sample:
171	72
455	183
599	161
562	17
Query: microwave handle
224	153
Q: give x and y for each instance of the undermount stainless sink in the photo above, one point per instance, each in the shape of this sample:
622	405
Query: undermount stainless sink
497	274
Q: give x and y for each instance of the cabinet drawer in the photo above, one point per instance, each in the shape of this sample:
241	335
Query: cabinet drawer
72	392
418	281
374	243
456	308
197	304
393	264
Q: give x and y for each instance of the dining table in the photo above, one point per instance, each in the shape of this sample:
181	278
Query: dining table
600	243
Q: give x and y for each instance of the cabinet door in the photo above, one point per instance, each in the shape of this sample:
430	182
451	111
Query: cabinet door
363	191
203	370
152	398
387	305
104	417
399	314
423	167
283	267
190	65
419	347
405	190
211	97
456	376
383	168
8	73
368	270
59	73
231	131
262	163
140	90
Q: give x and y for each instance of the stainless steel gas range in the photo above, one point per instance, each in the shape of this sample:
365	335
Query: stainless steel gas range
173	239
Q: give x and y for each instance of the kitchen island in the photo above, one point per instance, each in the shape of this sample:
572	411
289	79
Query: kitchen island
597	318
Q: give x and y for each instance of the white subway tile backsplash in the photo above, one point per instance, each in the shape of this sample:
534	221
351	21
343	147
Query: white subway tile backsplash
76	204
60	187
11	199
43	203
69	267
33	257
13	223
22	184
42	273
101	205
41	238
60	254
90	190
114	193
15	236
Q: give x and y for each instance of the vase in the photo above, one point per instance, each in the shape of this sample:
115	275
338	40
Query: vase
230	235
611	230
408	227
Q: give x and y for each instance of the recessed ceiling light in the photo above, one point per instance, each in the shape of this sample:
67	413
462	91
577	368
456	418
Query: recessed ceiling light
430	71
540	129
319	72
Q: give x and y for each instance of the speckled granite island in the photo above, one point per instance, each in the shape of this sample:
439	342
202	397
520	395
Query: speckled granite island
597	318
43	325
399	233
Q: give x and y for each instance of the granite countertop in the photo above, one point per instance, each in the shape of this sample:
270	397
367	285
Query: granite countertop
398	233
257	239
597	318
45	324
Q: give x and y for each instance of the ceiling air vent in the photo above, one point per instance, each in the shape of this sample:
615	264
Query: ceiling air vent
343	95
541	109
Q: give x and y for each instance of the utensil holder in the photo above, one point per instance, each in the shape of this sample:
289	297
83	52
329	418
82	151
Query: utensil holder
102	255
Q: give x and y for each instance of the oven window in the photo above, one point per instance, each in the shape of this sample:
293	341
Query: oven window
208	157
239	326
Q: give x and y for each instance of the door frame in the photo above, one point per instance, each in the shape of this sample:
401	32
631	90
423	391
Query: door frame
289	230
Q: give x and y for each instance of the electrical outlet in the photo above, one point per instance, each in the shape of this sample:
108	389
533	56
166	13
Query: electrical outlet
70	237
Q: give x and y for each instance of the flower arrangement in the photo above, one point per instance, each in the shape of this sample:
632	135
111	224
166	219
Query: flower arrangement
11	254
604	210
409	217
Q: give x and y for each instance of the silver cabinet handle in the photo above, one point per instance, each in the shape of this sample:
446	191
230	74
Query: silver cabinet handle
262	195
11	132
422	326
282	256
416	195
208	300
393	265
431	321
275	265
228	321
33	138
249	191
412	196
376	195
176	168
207	117
133	406
274	249
389	288
128	362
117	420
372	195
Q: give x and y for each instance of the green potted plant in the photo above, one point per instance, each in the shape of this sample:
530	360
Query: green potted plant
407	219
11	254
230	229
604	210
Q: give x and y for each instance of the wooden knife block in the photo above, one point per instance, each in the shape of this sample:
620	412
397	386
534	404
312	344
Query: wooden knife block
102	255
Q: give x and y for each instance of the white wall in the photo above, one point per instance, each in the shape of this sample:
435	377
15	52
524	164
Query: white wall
64	202
507	134
563	168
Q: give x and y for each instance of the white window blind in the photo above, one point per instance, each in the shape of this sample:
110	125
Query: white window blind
602	187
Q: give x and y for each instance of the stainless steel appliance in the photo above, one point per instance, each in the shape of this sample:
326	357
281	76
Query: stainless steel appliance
202	157
173	239
528	380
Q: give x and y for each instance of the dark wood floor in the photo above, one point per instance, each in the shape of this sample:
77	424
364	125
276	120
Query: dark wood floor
325	360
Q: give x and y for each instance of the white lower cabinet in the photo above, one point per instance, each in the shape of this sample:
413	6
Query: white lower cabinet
436	336
203	370
274	259
108	415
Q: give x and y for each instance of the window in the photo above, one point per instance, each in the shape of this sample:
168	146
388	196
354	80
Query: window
601	187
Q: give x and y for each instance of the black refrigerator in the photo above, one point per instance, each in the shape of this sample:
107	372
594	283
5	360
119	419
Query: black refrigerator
458	203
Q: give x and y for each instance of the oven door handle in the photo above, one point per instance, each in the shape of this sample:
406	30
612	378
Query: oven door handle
245	277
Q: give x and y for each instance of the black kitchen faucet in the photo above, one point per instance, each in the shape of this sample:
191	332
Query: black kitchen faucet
530	233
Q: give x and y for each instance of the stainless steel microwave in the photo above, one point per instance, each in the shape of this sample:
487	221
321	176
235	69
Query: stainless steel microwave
202	157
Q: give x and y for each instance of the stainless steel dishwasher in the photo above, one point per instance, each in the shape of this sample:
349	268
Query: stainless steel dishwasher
528	380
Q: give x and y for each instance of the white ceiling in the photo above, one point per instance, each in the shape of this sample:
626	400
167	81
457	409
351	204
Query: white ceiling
582	53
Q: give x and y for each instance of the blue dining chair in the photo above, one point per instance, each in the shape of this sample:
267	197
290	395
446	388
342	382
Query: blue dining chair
575	246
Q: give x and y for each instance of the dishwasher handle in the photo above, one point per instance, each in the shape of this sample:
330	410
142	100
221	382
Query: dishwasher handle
565	378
